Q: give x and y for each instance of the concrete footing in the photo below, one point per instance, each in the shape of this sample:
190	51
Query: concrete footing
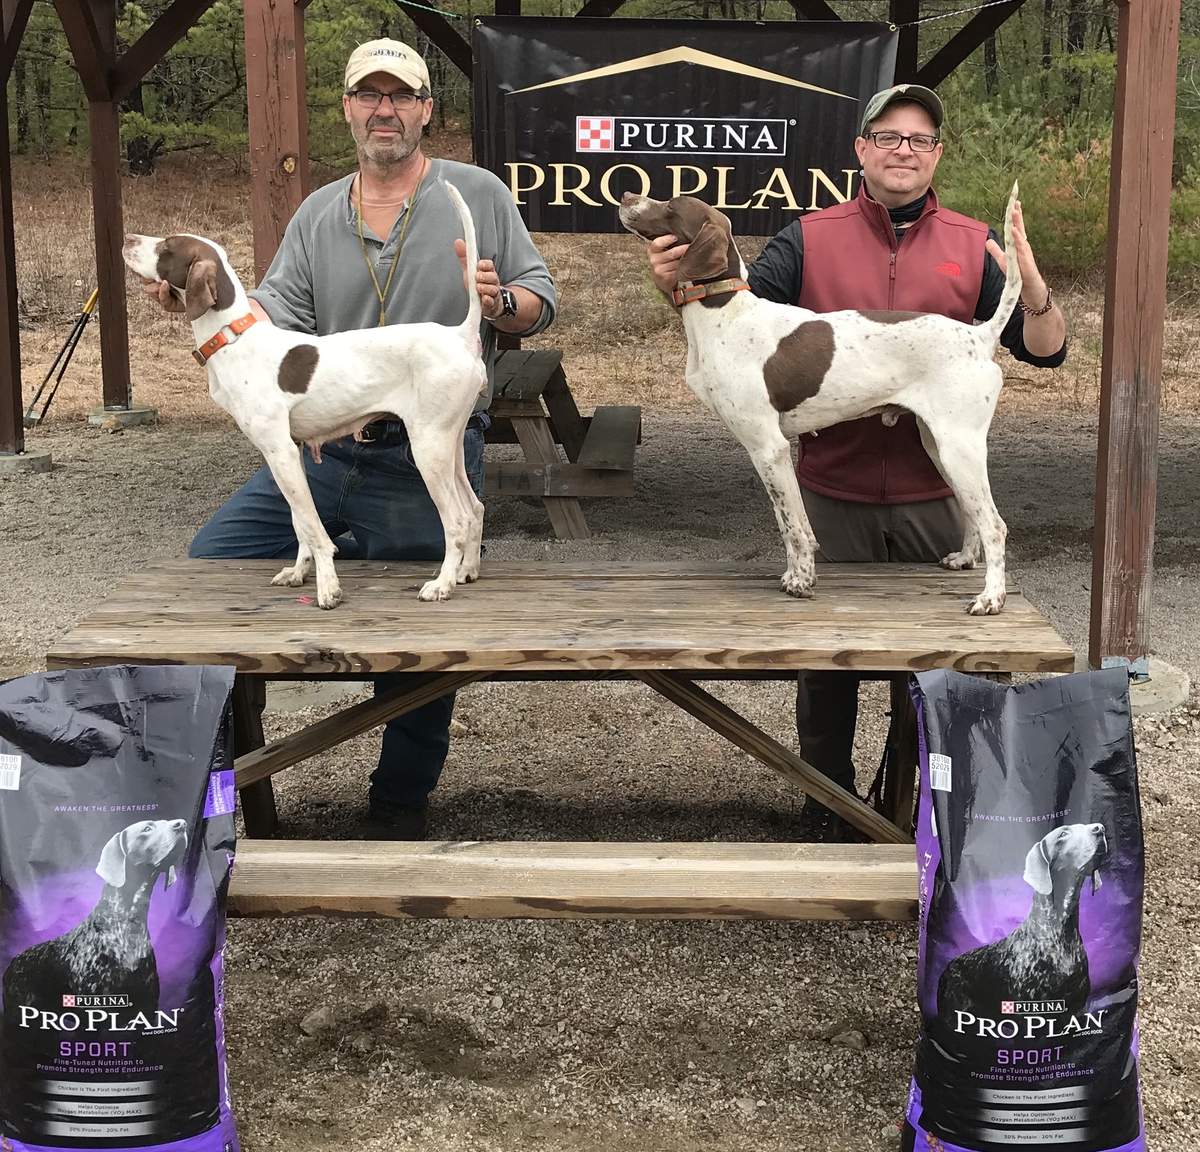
125	417
1166	688
31	460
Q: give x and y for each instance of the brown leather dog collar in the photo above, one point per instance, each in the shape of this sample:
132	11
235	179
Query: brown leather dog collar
688	292
209	348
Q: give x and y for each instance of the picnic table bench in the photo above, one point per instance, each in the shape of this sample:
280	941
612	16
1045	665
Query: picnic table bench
532	406
670	625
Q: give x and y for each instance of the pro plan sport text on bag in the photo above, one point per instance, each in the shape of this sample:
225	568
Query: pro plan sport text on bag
116	844
1029	854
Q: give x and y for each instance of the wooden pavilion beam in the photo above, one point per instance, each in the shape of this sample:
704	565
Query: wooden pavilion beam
14	15
12	433
814	10
1134	311
278	120
442	33
902	13
153	44
90	49
599	7
982	25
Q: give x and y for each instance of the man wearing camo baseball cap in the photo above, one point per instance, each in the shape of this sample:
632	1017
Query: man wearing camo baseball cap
915	93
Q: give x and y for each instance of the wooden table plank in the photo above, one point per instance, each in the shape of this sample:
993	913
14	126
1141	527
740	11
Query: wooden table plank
593	880
558	617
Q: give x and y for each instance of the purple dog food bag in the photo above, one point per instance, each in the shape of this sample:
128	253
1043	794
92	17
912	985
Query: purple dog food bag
1029	858
116	845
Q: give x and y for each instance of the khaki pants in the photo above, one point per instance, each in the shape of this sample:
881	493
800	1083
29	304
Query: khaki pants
849	532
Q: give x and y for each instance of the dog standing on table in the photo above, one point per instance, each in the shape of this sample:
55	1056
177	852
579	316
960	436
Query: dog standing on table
286	387
773	371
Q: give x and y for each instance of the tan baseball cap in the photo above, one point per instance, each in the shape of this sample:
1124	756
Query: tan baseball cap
926	97
390	56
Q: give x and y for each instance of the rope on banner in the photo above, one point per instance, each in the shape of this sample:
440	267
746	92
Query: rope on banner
947	15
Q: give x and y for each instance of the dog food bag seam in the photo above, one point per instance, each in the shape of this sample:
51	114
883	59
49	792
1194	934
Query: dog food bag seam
116	847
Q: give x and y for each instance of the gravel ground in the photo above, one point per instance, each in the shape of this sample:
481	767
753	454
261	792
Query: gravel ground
649	1036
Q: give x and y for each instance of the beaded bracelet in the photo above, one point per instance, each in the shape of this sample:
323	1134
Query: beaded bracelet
1038	311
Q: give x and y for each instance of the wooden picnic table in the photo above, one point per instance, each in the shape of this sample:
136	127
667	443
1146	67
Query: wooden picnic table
668	625
532	405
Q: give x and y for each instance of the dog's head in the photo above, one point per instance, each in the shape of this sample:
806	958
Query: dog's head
143	850
1061	858
707	232
196	268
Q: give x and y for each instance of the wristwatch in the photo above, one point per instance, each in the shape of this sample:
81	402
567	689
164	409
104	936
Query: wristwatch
508	298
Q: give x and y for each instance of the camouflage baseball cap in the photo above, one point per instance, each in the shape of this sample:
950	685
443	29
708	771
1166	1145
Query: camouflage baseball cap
926	97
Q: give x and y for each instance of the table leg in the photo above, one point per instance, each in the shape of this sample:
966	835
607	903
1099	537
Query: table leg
900	775
566	517
258	799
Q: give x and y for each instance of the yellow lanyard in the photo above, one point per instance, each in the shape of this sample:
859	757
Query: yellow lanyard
408	215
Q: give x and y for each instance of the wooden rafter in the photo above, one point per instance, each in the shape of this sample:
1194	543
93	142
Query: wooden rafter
814	10
442	33
93	59
982	25
903	13
154	44
15	17
599	8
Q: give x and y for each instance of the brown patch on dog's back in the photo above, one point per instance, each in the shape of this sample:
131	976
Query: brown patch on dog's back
297	367
881	316
177	254
795	370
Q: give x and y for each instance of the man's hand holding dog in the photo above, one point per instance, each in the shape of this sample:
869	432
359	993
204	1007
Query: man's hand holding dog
665	253
1044	334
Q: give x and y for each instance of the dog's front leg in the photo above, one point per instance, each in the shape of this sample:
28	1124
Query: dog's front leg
773	463
434	453
287	468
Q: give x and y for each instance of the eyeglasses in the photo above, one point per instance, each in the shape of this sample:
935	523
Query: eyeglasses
890	141
370	99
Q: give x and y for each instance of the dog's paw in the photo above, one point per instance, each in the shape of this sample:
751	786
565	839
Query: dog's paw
467	575
795	584
290	577
329	597
986	604
958	561
432	590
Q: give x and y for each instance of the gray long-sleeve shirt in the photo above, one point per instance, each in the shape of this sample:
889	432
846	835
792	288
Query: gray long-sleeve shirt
318	282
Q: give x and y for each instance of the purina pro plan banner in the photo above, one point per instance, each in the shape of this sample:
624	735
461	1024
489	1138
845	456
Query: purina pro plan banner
758	120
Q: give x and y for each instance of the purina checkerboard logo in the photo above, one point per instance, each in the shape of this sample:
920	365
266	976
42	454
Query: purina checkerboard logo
593	133
686	135
1007	1008
68	1001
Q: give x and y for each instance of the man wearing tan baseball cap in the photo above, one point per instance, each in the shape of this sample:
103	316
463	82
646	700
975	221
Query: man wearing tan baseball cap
382	246
391	58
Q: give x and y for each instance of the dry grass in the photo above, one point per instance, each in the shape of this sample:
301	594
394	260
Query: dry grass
621	342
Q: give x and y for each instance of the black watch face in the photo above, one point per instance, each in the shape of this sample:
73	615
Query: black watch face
509	300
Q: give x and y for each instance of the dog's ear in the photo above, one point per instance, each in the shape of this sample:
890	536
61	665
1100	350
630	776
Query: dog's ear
201	291
111	868
707	254
1037	869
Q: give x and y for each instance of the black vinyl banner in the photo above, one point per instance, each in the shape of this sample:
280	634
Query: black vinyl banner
757	119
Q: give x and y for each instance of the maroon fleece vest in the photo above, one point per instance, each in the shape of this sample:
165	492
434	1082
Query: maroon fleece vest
852	260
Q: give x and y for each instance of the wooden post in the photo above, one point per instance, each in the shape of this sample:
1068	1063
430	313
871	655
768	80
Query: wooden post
278	120
12	434
1134	308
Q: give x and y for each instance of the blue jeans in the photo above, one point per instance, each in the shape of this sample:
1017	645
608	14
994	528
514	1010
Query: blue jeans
375	506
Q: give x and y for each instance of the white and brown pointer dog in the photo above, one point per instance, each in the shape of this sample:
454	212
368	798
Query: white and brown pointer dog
285	388
773	371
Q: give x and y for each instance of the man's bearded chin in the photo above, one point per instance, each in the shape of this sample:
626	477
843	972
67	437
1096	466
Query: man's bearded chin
398	148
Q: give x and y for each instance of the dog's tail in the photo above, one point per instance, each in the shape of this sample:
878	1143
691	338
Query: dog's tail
991	329
470	326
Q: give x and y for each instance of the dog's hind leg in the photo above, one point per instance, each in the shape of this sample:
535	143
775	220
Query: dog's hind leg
284	460
963	456
968	554
772	460
434	452
468	570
